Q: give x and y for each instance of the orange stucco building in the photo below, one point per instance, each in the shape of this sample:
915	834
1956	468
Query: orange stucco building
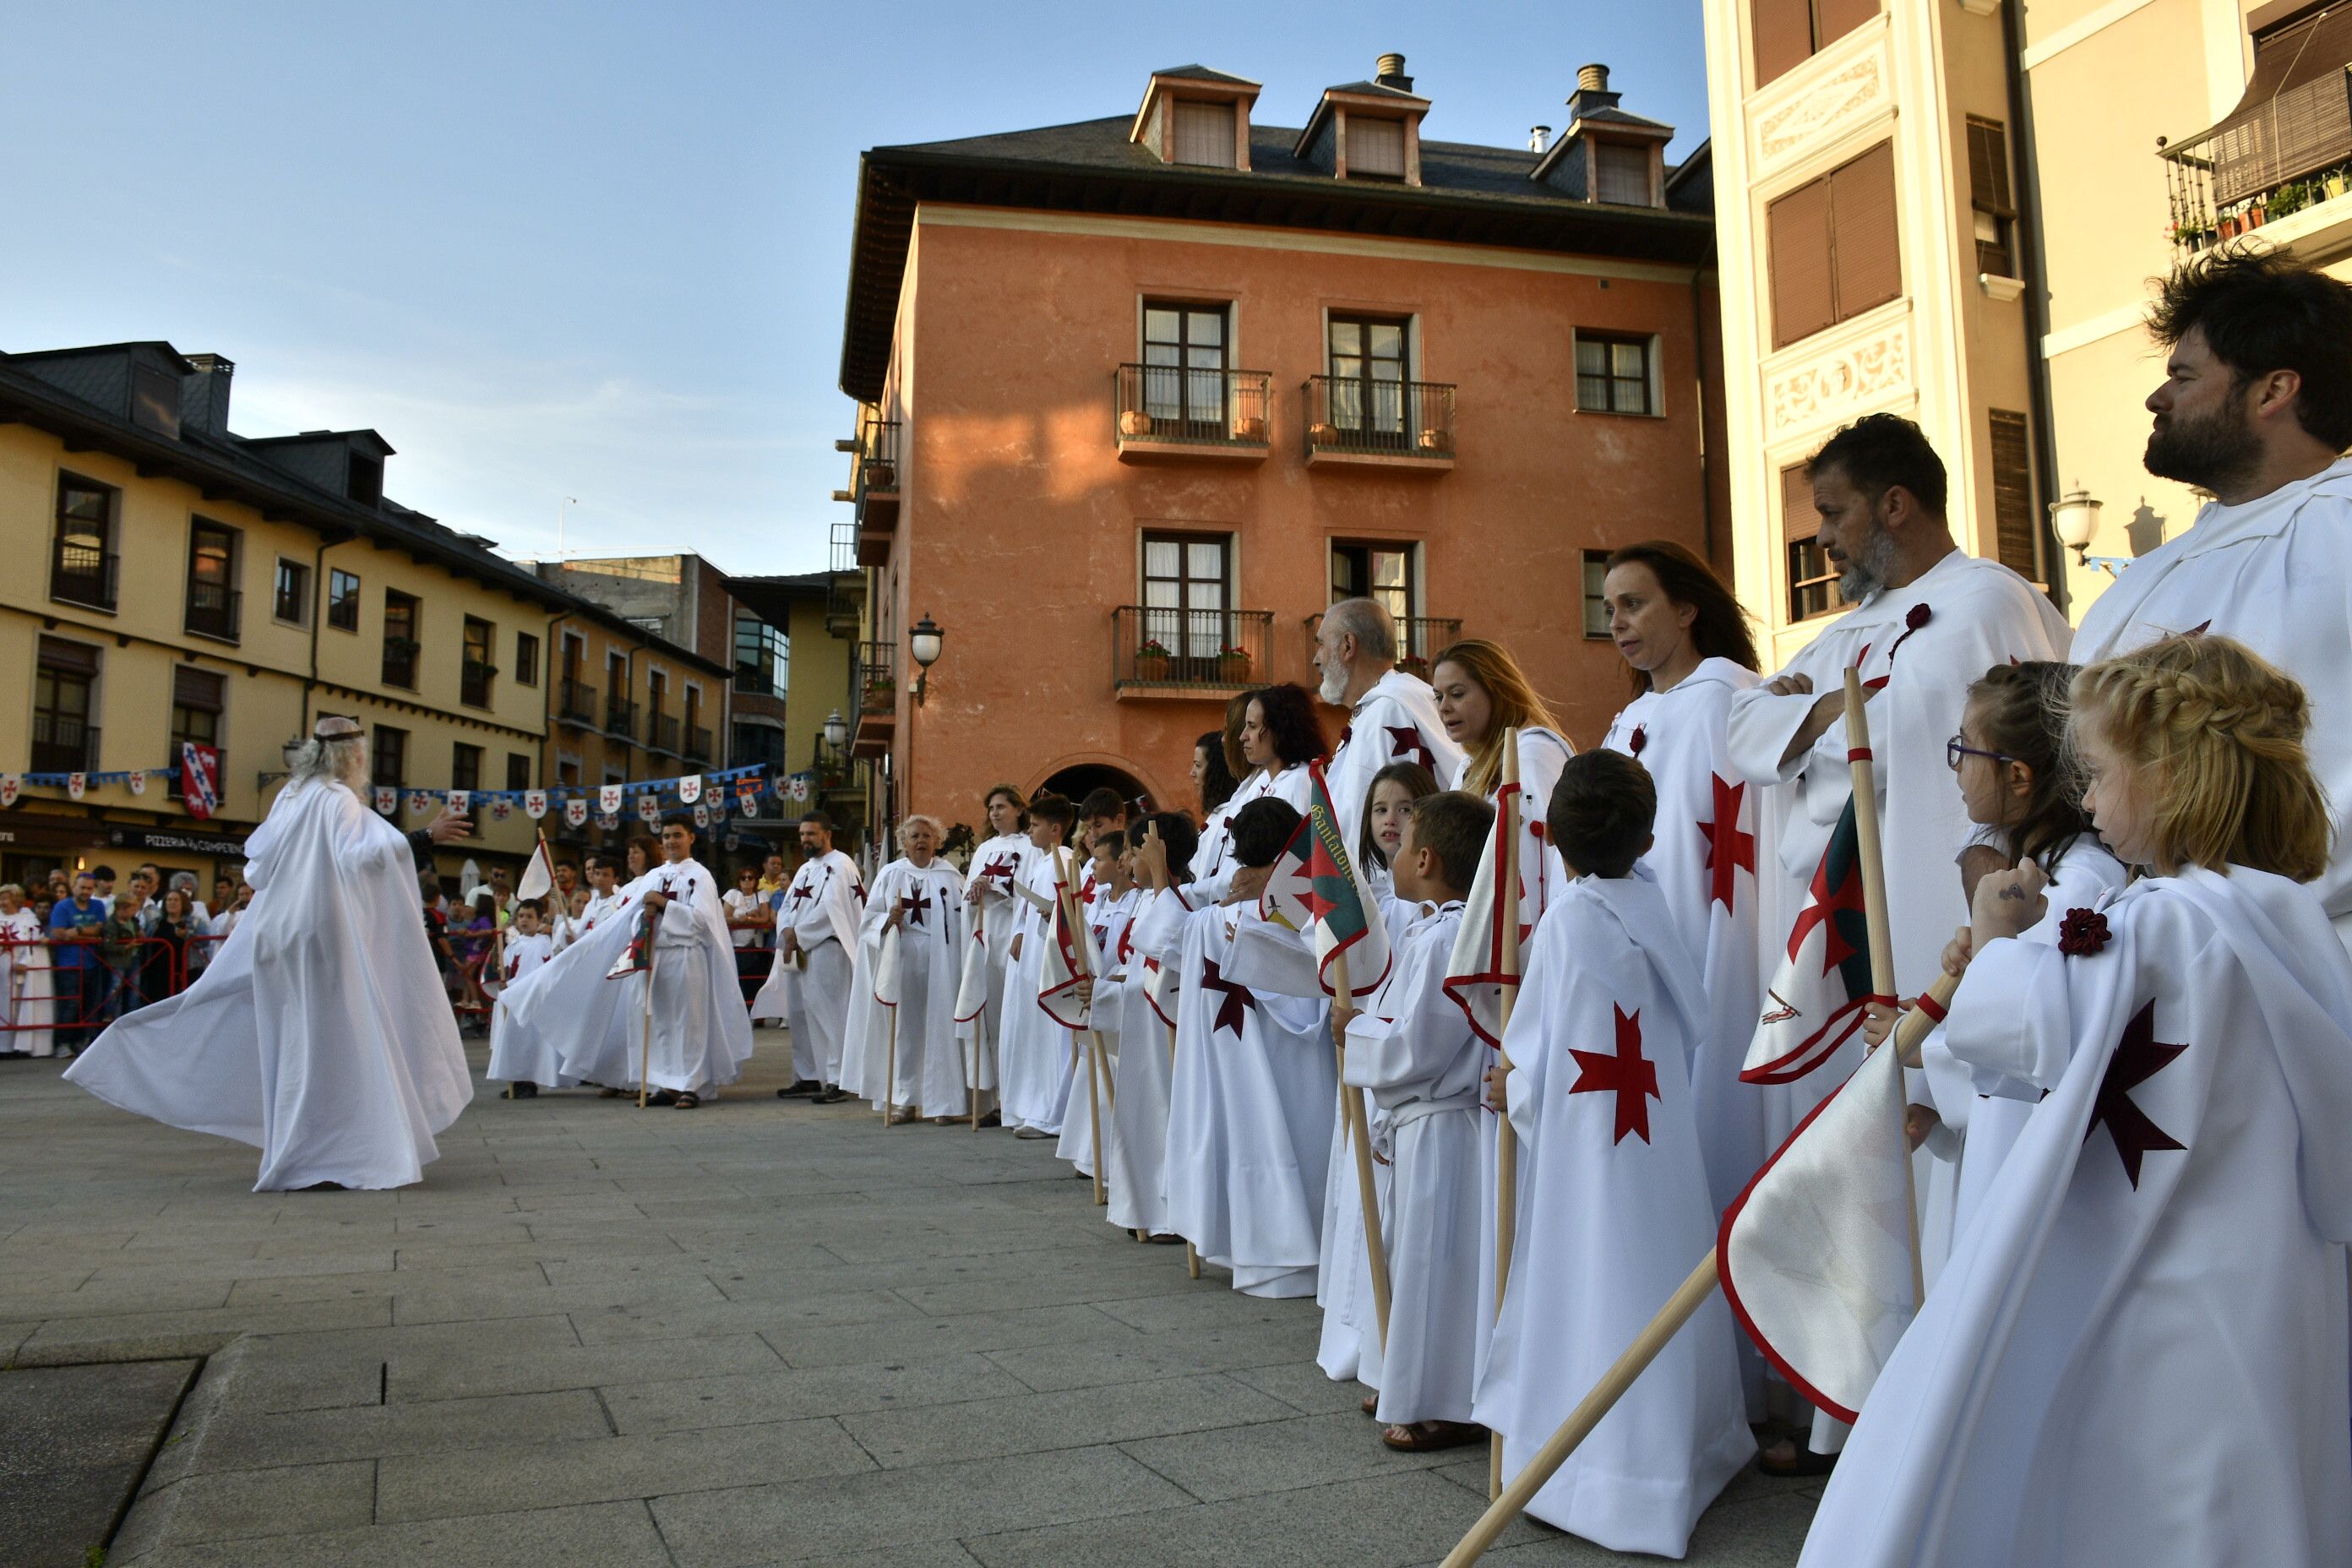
1140	396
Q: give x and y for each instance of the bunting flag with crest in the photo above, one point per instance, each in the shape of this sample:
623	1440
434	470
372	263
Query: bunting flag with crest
1814	1003
689	789
11	786
387	800
534	803
608	799
76	783
575	811
648	808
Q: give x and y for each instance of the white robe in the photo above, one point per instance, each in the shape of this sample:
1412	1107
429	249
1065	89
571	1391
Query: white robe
1413	1048
26	1008
701	1034
2137	1354
1614	1214
1249	1117
523	956
2276	574
1542	754
1972	615
822	907
994	912
1107	919
1135	1166
1033	1051
1395	721
931	1074
320	1032
1707	865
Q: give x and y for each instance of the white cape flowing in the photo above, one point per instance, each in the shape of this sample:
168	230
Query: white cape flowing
320	1032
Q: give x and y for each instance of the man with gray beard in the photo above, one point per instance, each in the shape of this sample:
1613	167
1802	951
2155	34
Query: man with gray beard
1392	714
1927	620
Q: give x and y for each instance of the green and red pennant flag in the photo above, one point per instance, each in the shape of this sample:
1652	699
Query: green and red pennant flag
637	958
1484	962
1814	1003
1315	885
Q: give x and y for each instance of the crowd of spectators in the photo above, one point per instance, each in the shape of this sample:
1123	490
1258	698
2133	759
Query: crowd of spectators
79	950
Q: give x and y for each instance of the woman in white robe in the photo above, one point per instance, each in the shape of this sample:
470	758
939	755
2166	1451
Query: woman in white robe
25	1009
920	897
319	1033
1135	1163
993	915
1107	919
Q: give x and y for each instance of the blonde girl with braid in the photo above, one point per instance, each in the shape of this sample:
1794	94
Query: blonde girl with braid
2138	1349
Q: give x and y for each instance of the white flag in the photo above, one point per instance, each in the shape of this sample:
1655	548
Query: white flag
534	803
971	986
689	789
1069	955
1816	1254
139	782
1485	958
11	786
648	808
387	800
885	970
575	811
76	783
608	799
459	800
538	876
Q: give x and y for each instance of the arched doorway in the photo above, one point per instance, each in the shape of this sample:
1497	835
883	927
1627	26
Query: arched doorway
1075	782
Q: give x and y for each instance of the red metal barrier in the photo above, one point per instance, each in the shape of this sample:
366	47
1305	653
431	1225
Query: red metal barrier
108	980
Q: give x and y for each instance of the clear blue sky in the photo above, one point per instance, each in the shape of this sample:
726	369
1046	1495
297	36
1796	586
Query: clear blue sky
599	251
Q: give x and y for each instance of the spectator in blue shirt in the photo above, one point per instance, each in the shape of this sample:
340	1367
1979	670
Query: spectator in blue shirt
73	932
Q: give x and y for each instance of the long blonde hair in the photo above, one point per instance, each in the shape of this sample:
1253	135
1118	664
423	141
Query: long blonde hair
2216	733
1512	700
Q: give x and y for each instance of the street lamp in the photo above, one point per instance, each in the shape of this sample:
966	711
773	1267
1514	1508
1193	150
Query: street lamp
924	642
2074	518
836	729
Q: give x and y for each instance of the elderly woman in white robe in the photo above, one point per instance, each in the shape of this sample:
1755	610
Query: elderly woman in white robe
26	1008
319	1034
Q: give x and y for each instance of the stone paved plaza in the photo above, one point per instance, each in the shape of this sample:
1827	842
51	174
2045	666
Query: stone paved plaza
760	1332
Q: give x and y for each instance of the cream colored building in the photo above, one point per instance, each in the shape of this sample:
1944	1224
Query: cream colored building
1949	209
173	581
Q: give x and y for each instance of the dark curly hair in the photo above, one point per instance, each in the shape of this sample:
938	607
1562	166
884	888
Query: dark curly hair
1602	813
1217	781
1289	717
2260	311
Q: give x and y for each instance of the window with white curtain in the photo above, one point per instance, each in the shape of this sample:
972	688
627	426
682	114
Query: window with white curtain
1204	134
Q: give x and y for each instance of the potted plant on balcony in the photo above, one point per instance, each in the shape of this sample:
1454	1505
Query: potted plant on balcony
1152	660
1324	434
881	693
1134	422
881	476
1433	440
2291	197
1232	665
2333	184
1249	427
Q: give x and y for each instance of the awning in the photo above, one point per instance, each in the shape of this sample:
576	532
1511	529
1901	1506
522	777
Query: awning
2295	117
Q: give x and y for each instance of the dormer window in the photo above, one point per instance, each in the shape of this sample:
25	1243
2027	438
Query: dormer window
365	483
1608	155
1376	148
1197	118
1621	173
1203	134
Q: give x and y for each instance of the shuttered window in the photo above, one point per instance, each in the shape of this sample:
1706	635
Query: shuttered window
198	697
1375	147
2012	495
1989	200
1813	580
2295	118
1786	33
1835	250
1621	172
1204	134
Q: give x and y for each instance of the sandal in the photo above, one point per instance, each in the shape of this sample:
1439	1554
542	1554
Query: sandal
686	1101
1371	1405
1801	1460
1427	1436
608	1094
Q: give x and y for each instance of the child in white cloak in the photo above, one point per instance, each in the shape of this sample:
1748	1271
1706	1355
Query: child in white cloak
525	948
1411	1045
2138	1353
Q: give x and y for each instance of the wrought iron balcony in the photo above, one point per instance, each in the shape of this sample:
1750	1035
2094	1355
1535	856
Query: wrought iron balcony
1171	411
873	682
1420	639
665	734
1391	423
214	610
474	683
63	745
575	702
1159	650
621	718
83	574
2290	153
698	745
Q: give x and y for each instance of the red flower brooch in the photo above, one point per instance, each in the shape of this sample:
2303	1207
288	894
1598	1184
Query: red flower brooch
1916	616
1641	739
2082	933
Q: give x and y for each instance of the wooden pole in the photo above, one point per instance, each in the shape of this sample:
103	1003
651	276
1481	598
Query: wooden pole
1375	1246
1094	1109
646	1050
1507	1137
890	1072
1191	1253
1685	1300
1874	903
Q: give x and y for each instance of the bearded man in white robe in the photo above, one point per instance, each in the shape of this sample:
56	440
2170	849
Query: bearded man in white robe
1392	715
320	1032
2255	410
816	947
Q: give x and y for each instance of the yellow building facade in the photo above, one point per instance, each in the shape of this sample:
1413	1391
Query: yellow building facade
175	582
1952	210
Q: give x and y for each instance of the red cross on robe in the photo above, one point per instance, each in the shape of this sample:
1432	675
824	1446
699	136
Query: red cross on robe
2139	1056
1405	741
912	905
1728	851
1236	998
1629	1075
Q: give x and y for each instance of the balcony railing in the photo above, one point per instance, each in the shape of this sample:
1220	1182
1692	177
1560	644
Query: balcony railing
1420	639
621	718
474	683
877	675
399	662
79	575
62	745
875	467
214	610
844	557
575	702
1347	417
665	734
1216	651
698	745
2293	153
1221	411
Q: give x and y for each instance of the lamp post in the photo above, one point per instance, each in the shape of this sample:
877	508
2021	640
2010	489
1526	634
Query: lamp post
923	642
2074	519
836	730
